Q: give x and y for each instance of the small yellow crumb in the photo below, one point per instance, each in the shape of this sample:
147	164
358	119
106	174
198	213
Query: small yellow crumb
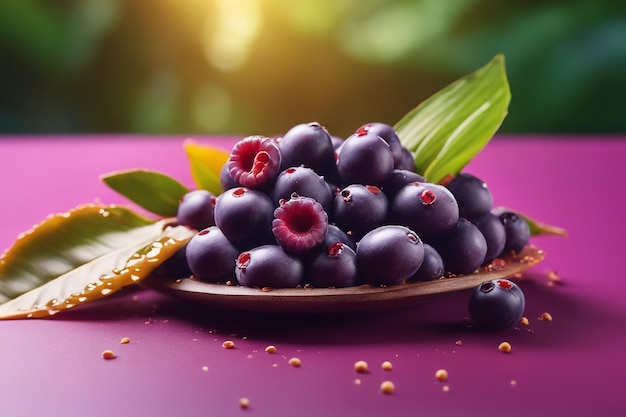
387	366
360	366
504	347
441	375
228	344
513	383
270	349
387	387
205	369
244	402
124	340
357	381
552	276
524	321
445	388
459	342
545	316
108	354
295	362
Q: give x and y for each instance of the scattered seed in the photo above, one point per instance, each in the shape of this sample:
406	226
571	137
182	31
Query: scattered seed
270	349
513	383
441	375
459	342
360	366
357	381
205	369
295	362
504	347
524	321
125	340
266	289
552	276
387	366
445	388
545	316
228	344
387	387
244	402
108	354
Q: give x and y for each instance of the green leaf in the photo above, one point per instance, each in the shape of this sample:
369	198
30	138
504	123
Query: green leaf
152	190
448	129
82	255
538	228
206	163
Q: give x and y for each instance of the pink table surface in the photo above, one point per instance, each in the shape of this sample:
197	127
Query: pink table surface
174	364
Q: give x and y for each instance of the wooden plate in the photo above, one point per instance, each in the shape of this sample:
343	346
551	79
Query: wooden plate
327	300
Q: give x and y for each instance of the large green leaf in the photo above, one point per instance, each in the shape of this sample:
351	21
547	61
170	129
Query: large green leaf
81	255
152	190
448	129
206	163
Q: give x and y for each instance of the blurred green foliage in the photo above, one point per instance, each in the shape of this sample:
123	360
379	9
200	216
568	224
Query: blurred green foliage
260	66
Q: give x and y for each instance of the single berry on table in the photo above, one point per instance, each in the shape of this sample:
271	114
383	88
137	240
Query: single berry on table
496	304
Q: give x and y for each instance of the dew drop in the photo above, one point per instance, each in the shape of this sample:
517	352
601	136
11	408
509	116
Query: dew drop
135	277
427	197
106	291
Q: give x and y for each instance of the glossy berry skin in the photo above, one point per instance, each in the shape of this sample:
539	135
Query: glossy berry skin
299	224
398	179
517	231
365	159
210	256
389	255
432	267
268	266
359	208
332	266
195	209
492	229
426	208
472	195
389	135
496	304
254	162
226	180
336	234
462	248
245	217
406	161
304	182
307	144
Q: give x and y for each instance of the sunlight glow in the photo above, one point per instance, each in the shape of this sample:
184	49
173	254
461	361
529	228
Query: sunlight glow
229	32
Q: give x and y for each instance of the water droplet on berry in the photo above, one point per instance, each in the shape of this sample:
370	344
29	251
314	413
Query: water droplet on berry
427	197
243	260
335	249
507	285
362	131
373	189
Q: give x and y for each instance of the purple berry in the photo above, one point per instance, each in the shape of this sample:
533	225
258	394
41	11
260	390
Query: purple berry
496	304
462	248
307	144
306	183
210	256
365	158
268	266
471	194
334	266
428	209
360	208
196	209
254	162
517	231
389	255
432	267
245	217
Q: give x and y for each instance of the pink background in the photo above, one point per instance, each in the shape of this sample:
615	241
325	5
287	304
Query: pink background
571	366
